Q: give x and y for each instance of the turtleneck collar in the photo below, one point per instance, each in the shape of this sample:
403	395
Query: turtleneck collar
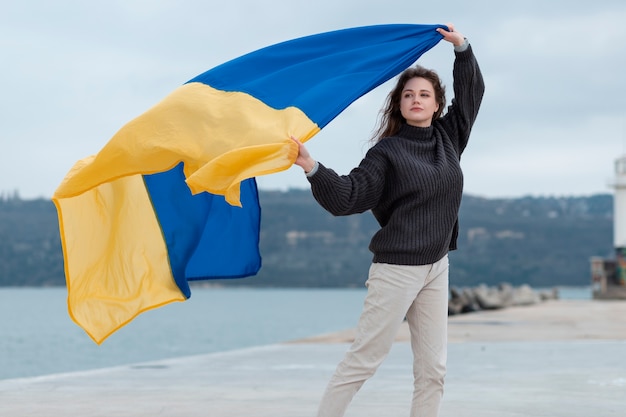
415	132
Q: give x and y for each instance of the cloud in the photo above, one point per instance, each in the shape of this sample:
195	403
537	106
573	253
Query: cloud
75	72
571	160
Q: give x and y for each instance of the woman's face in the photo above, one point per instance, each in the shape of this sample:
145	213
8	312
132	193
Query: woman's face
418	103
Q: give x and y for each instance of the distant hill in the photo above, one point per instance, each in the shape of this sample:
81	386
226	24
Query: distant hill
540	241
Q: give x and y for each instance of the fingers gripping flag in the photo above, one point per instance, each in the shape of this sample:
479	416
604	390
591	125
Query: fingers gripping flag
172	196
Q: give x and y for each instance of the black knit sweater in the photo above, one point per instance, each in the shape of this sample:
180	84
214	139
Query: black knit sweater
412	181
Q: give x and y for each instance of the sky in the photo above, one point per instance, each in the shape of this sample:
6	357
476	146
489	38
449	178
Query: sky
552	122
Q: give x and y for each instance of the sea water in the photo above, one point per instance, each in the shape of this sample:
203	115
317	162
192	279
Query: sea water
37	336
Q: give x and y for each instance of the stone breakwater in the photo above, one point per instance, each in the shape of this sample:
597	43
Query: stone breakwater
483	297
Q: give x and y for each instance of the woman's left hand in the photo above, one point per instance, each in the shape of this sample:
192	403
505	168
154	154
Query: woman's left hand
451	35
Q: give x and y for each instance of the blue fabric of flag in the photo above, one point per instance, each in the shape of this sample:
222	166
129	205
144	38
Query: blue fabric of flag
206	237
324	73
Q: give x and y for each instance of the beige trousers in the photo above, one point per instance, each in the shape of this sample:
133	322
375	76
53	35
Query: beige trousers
419	293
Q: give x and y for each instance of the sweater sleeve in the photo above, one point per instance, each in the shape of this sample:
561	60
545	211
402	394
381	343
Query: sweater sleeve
469	88
356	192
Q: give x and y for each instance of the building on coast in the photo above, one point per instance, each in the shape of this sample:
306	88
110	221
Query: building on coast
608	275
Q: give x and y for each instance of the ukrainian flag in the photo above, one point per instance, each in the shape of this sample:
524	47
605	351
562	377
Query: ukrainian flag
172	196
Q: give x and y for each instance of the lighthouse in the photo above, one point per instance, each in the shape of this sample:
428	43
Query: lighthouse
608	276
619	219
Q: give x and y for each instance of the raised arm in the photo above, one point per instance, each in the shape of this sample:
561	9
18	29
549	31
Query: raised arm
469	88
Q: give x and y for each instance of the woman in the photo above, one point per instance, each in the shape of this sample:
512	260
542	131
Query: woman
412	182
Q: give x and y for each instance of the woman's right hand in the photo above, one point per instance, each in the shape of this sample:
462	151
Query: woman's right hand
304	159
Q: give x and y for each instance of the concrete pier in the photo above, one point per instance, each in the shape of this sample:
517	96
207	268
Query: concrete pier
557	358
